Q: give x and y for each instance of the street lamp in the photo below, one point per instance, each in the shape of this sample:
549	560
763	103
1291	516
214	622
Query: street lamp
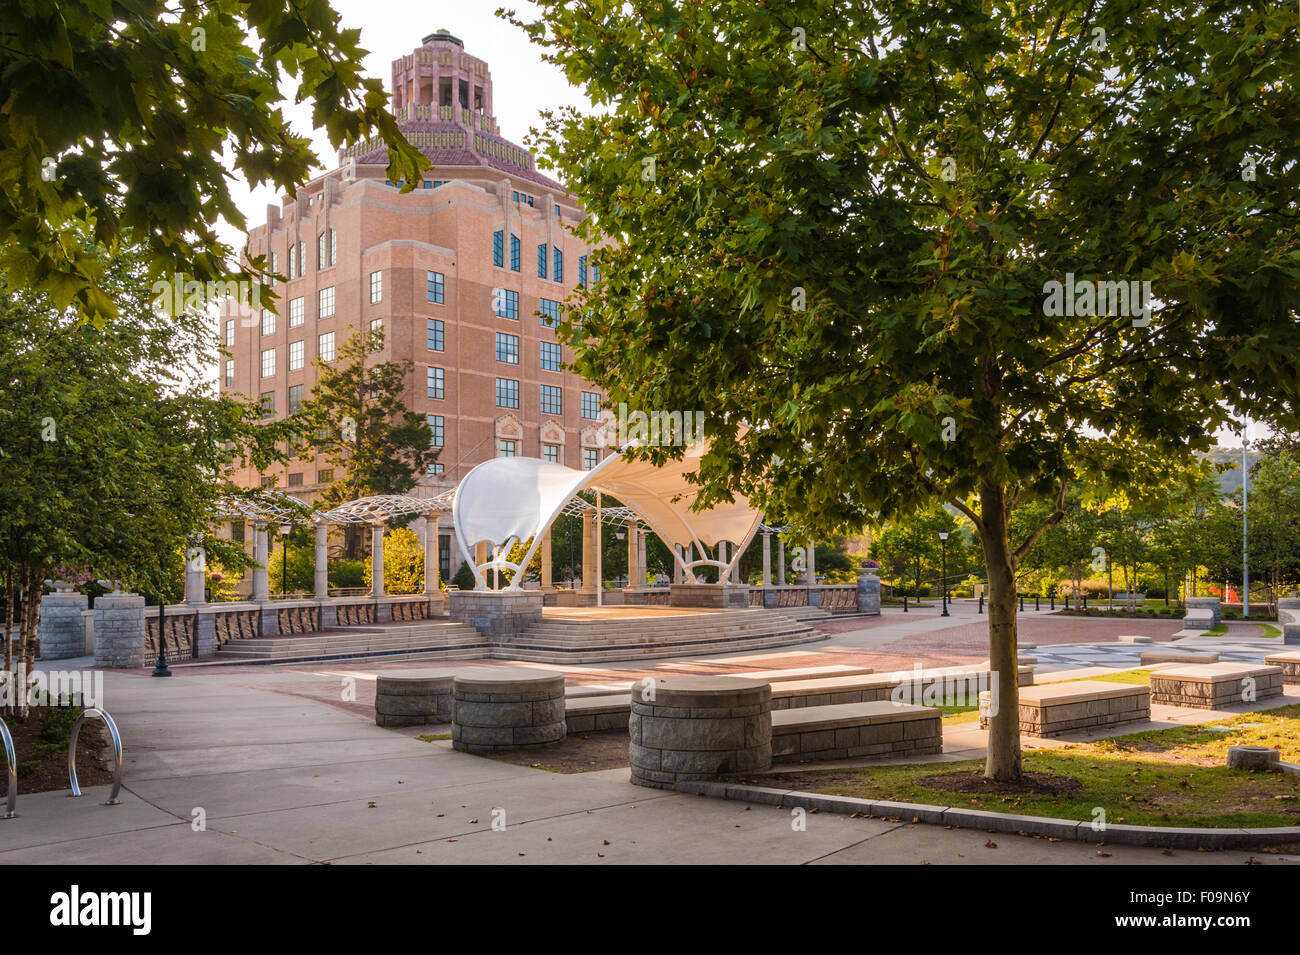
943	541
1245	523
284	560
160	665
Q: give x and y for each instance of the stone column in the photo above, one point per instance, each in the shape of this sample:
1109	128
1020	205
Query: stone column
321	577
480	558
589	582
377	560
195	565
431	580
119	631
679	573
261	554
780	561
767	559
812	564
641	535
548	583
722	559
63	627
634	577
735	570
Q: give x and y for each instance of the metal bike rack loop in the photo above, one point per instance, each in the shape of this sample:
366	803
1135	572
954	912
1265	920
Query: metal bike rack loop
11	765
117	752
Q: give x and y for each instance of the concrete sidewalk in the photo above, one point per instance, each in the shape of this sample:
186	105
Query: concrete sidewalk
281	779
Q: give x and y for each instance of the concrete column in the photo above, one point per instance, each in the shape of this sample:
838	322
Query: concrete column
722	559
634	577
63	624
767	559
780	561
735	571
261	554
589	583
480	558
377	560
431	572
321	575
812	564
120	631
679	573
195	566
641	535
548	584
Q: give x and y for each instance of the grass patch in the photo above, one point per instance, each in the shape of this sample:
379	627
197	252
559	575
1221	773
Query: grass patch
430	737
1172	777
1218	630
1268	630
1136	677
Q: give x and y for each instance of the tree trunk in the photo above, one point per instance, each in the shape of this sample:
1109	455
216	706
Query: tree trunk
1004	727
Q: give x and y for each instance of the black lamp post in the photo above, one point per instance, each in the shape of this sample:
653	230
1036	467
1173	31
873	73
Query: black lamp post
943	541
160	665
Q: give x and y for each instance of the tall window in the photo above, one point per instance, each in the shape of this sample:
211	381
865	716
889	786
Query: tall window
295	355
508	348
498	249
590	458
323	250
557	264
550	356
507	393
302	259
268	322
325	476
293	259
275	269
268	362
552	400
506	303
325	346
582	271
590	404
514	253
435	286
551	452
435	334
541	261
436	382
334	247
507	449
325	302
268	404
297	311
376	287
550	312
230	332
435	430
230	373
295	397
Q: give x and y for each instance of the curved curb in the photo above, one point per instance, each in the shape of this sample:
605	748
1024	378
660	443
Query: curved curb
1160	837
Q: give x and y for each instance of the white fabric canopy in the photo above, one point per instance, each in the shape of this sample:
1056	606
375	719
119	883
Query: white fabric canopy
508	499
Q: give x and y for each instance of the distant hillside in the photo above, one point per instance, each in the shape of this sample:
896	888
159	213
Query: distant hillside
1230	480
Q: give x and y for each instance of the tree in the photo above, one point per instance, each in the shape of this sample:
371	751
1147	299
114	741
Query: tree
403	563
112	459
356	416
851	235
912	544
119	117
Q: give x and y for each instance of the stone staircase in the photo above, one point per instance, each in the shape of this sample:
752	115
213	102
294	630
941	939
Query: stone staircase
417	640
578	640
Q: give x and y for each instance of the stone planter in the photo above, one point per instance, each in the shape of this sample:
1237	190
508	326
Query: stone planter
502	708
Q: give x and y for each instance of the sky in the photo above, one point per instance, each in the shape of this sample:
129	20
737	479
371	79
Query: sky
523	85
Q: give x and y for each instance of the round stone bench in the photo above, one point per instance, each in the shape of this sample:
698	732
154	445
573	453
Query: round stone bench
686	728
413	697
501	708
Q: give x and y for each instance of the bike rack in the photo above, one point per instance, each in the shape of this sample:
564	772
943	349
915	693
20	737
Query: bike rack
72	754
11	762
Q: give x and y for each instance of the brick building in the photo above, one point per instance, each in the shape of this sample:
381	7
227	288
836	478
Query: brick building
466	275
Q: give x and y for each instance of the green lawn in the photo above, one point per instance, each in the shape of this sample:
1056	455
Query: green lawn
1268	630
1172	777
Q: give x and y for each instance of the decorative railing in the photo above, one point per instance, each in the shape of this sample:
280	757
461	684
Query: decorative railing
352	615
839	598
235	625
179	631
411	610
298	619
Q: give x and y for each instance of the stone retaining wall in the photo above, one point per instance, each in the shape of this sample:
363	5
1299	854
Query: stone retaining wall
413	697
503	708
1215	686
842	732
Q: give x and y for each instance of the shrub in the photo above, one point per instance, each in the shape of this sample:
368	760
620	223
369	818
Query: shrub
464	578
403	563
347	573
